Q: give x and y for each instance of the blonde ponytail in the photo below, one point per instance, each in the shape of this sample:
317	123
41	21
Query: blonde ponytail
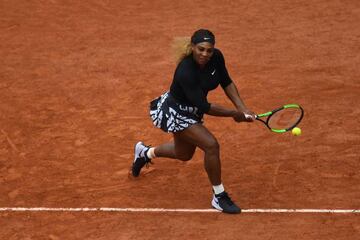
181	47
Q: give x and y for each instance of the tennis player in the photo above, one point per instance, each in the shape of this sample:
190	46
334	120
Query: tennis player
180	111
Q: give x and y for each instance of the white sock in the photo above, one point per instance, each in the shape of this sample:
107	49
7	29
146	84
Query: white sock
151	153
218	189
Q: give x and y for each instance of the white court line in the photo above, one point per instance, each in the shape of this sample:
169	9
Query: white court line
44	209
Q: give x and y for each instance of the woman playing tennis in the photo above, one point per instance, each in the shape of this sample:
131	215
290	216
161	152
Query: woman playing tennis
180	111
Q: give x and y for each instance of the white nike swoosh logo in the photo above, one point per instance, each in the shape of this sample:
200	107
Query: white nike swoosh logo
213	72
206	38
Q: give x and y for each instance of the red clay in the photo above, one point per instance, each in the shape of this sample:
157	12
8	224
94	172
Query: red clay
75	83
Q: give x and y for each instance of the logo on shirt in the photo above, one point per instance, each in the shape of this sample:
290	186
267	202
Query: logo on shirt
213	72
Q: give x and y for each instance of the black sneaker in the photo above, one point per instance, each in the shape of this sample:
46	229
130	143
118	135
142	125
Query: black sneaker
223	203
140	158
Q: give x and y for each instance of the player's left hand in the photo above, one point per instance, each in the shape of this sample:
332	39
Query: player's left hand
249	115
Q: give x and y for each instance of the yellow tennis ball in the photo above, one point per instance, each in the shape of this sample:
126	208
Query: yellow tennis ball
296	131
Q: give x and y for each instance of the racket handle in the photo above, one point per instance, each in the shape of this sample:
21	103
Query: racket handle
249	116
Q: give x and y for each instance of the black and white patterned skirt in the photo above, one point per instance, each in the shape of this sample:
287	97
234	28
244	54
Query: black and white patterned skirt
171	116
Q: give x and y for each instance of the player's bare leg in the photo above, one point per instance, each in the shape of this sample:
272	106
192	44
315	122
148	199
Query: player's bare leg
178	149
200	136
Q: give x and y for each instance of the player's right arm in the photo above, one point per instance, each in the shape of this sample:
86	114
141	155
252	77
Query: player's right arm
196	96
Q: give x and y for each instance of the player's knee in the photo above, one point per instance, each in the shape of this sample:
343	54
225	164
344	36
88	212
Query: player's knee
184	157
212	145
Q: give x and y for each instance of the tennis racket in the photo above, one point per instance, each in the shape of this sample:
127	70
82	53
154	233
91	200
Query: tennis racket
282	119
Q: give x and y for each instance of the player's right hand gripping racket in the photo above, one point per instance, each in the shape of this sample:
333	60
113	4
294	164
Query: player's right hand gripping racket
282	119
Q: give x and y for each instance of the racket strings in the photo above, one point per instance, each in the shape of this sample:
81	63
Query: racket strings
285	118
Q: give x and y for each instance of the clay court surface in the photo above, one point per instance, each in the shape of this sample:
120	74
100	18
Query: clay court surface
76	78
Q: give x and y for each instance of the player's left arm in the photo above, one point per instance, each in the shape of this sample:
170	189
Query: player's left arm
230	88
232	93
